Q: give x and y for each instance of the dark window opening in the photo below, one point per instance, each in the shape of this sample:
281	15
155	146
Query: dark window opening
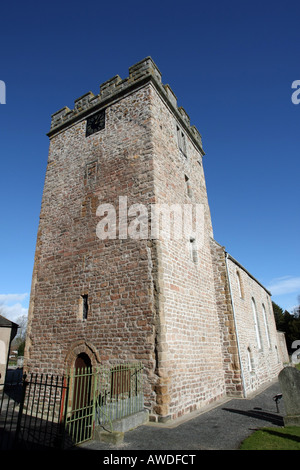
85	306
95	123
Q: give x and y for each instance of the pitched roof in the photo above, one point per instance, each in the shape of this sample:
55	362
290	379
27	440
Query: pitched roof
4	322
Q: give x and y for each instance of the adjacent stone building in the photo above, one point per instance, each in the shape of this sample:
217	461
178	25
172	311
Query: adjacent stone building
8	331
111	286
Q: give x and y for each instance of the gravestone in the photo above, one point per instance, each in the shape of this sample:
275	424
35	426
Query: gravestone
289	379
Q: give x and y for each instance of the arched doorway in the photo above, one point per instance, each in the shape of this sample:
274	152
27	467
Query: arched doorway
83	350
82	360
82	382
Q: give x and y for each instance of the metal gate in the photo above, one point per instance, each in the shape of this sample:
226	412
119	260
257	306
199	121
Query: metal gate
32	411
102	395
81	408
47	411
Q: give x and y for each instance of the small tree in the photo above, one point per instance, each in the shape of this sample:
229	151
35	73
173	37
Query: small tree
289	323
296	310
19	340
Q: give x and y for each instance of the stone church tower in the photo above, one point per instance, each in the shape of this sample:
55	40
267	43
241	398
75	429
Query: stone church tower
104	289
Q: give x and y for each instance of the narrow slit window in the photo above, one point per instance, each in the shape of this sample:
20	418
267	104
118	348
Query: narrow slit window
181	141
85	306
188	186
249	358
193	250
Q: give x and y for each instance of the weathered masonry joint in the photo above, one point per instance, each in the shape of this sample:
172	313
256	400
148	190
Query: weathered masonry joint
102	294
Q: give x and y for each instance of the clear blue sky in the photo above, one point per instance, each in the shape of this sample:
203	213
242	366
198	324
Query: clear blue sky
231	65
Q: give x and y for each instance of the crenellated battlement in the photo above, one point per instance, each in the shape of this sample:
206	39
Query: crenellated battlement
116	87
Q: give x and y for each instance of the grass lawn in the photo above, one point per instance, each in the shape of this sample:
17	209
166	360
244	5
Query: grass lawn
287	438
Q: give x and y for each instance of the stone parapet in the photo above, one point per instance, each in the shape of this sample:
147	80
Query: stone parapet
114	89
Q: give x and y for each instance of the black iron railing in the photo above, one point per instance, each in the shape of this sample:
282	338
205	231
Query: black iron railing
40	411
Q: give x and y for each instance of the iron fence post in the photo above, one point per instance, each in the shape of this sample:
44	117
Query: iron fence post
22	400
63	418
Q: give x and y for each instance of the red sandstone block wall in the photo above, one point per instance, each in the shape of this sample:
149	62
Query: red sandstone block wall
71	260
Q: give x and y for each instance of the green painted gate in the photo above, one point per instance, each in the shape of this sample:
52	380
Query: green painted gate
98	396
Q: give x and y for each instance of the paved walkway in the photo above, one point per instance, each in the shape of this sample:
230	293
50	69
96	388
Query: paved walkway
223	427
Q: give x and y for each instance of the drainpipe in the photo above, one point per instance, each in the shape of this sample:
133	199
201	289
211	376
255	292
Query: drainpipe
235	324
